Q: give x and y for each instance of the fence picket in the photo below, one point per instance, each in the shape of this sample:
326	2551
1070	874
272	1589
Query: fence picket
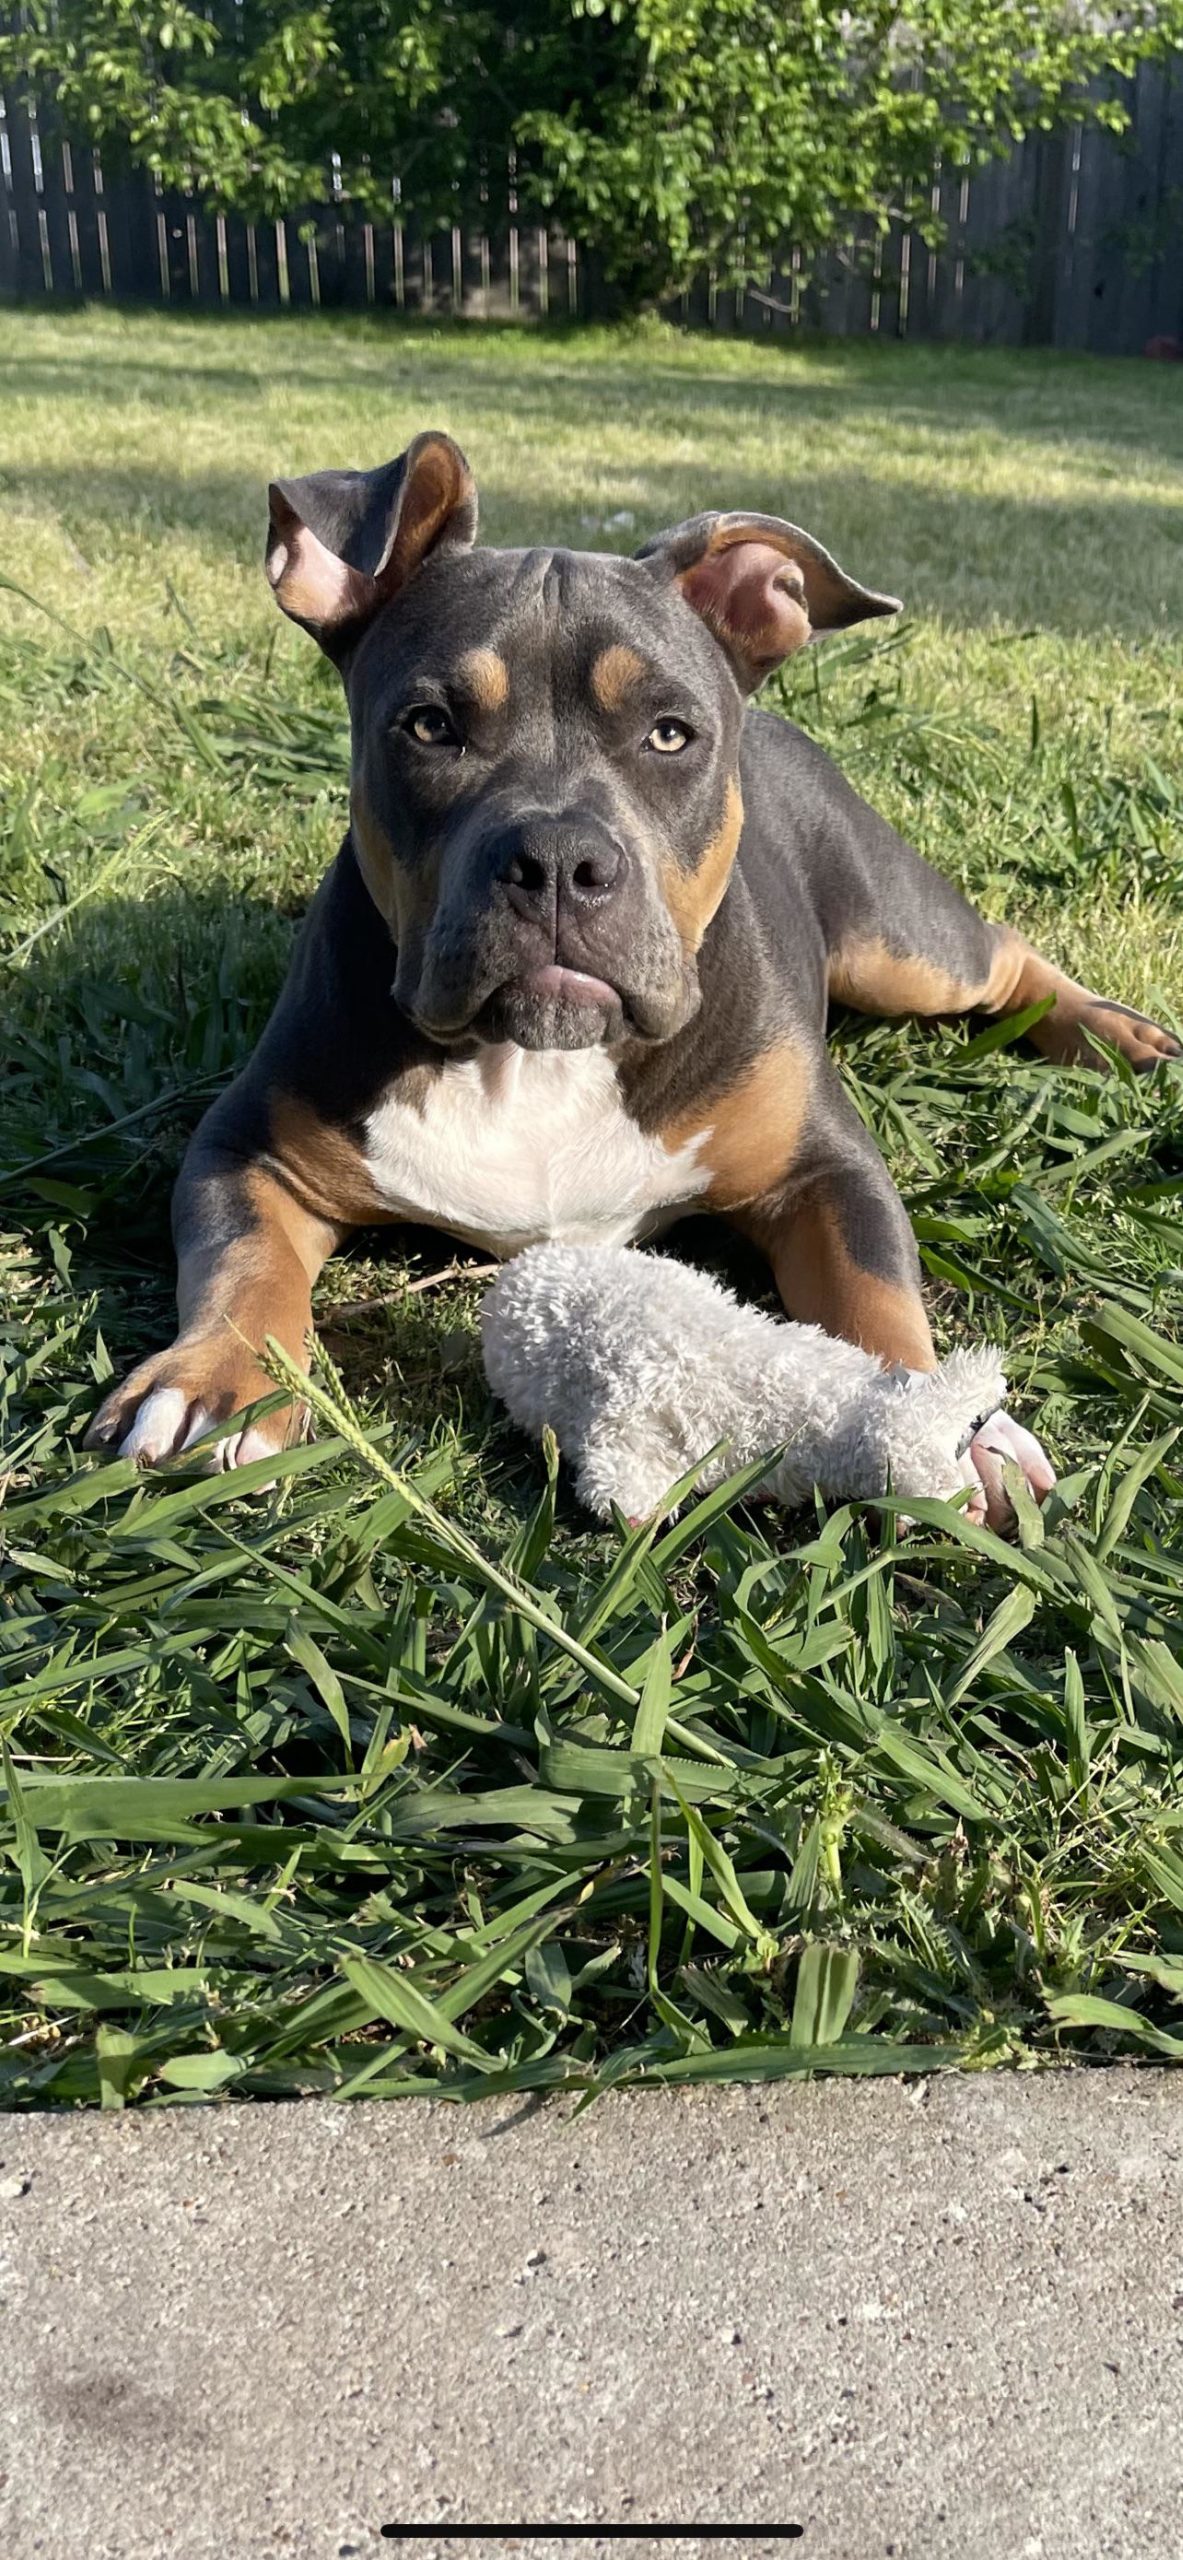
1075	241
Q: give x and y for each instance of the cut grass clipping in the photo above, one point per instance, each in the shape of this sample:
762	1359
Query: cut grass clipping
377	1769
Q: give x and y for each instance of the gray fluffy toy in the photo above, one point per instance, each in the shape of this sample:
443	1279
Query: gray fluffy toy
640	1366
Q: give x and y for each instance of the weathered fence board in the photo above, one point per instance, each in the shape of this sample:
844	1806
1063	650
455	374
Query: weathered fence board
1076	240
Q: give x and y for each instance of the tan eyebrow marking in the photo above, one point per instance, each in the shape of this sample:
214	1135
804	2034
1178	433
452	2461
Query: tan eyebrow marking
614	674
486	677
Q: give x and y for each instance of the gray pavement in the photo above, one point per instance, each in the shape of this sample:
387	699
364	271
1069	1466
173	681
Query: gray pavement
941	2318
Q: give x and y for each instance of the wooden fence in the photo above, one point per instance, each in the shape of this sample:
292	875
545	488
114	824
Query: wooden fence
1076	240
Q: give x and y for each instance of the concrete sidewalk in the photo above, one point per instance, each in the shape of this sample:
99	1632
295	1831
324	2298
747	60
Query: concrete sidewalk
942	2318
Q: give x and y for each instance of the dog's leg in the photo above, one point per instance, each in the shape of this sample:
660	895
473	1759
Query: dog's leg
248	1253
931	953
902	939
838	1238
843	1256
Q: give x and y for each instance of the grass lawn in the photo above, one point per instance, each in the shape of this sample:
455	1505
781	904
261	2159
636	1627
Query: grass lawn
401	1776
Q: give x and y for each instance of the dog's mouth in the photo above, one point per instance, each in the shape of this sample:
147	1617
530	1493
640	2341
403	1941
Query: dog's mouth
554	1004
555	984
555	1007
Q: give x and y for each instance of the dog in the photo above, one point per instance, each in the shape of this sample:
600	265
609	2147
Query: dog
569	974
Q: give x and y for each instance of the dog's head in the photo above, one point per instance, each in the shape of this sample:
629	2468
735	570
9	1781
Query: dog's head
545	795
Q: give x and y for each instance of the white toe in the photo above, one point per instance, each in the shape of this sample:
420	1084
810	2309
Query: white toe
200	1420
158	1427
1000	1441
251	1444
976	1507
235	1449
1000	1437
1032	1457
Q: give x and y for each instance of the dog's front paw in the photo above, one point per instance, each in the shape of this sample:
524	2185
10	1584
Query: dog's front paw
996	1441
180	1395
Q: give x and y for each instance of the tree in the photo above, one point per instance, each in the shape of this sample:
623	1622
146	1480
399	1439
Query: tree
666	134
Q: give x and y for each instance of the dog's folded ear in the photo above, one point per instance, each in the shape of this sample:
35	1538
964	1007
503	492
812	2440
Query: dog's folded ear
763	587
342	543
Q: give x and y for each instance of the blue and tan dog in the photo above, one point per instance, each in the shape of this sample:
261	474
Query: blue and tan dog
568	976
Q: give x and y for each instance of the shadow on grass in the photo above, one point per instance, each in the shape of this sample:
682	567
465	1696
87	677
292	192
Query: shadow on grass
121	1026
962	388
1066	560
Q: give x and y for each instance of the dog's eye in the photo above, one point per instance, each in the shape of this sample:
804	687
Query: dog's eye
668	737
430	725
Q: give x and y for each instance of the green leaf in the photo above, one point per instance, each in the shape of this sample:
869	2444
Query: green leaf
395	1997
1076	1722
827	1977
32	1863
702	1913
155	1808
1126	1490
656	1695
206	2072
723	1870
751	2058
1008	1621
305	1650
580	1769
1009	1029
548	1976
1083	2009
1113	1327
121	2060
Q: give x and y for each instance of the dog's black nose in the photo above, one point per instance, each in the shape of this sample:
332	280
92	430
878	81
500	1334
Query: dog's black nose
548	863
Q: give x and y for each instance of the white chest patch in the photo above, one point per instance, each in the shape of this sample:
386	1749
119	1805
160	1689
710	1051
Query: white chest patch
519	1146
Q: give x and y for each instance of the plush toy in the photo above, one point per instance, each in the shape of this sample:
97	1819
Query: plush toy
640	1366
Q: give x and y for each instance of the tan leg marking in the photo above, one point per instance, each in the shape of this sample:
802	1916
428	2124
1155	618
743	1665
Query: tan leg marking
262	1282
375	857
230	1297
750	1133
615	674
693	897
326	1172
485	676
821	1283
875	980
